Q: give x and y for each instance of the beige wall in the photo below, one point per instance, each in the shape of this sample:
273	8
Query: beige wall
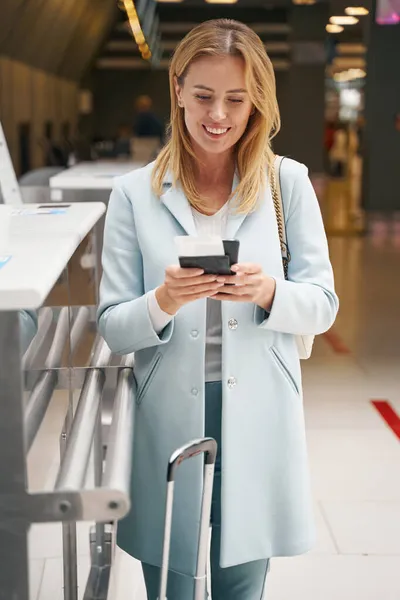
28	95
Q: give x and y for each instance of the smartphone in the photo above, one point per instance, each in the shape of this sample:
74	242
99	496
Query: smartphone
214	265
231	248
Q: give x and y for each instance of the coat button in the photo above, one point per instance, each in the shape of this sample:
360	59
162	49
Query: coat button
231	382
232	324
195	391
194	333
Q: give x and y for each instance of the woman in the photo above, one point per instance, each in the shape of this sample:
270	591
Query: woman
212	358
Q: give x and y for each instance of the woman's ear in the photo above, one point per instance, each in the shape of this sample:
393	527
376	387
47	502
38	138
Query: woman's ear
178	92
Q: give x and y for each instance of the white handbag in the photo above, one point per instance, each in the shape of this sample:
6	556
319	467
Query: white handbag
304	342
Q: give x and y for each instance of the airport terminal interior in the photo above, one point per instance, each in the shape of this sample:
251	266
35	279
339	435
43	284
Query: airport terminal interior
84	97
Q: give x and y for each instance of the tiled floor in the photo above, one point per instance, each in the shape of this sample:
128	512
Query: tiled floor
354	456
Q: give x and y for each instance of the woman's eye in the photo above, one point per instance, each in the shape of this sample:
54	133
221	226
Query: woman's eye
236	100
203	97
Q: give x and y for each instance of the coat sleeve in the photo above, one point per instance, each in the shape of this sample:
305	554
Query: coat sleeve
123	317
306	304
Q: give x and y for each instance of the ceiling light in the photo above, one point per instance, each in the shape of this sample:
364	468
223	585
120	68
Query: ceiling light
221	1
356	11
169	1
357	73
343	20
334	28
349	75
135	26
306	2
342	76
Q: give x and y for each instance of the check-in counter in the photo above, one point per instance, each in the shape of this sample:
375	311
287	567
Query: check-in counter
38	345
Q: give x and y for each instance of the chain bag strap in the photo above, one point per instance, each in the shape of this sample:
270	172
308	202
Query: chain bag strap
304	342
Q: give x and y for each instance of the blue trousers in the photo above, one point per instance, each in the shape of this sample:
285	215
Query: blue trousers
241	582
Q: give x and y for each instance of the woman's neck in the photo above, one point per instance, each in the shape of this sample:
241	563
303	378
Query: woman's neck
214	175
215	170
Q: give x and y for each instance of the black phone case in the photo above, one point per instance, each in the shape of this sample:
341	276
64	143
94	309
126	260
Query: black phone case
231	248
212	265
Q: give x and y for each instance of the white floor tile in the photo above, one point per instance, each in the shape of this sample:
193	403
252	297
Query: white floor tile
41	460
52	583
45	540
36	570
45	453
329	409
127	579
325	540
334	578
354	464
365	527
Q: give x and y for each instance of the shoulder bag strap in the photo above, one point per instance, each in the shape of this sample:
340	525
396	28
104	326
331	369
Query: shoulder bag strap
276	191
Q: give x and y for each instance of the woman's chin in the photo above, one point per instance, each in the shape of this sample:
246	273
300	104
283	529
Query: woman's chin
210	147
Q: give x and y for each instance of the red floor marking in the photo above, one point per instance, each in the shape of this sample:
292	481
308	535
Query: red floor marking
336	342
389	415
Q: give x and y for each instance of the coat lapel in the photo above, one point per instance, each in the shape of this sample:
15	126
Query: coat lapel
233	225
175	200
234	220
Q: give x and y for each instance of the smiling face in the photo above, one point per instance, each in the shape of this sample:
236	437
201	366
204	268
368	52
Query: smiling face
216	103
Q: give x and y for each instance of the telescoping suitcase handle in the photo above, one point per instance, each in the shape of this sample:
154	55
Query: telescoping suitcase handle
194	448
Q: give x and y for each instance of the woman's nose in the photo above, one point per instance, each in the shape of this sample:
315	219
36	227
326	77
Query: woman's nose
218	112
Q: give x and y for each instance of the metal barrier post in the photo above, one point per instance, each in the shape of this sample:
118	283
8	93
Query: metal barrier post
14	565
70	553
98	475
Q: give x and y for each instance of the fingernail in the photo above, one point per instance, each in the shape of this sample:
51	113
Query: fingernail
221	279
235	268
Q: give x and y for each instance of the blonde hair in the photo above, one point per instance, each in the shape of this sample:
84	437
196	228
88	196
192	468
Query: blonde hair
253	151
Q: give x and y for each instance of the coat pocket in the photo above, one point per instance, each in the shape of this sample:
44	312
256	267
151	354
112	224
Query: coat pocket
284	369
148	378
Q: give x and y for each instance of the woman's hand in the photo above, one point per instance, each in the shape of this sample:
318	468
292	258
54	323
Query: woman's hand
249	285
182	286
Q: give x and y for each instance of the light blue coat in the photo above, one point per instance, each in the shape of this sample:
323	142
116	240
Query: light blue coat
266	500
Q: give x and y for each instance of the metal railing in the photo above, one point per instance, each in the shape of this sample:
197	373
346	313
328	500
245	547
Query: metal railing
41	394
71	500
75	463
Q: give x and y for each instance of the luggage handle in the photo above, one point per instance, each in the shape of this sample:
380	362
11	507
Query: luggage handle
207	446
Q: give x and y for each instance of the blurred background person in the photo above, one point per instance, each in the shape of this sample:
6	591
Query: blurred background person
122	147
147	123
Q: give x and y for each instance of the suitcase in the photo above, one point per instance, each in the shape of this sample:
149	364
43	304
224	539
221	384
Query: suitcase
208	446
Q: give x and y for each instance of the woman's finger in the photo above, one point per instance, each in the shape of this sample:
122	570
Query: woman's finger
240	290
232	297
177	282
198	295
176	272
242	279
249	268
197	289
